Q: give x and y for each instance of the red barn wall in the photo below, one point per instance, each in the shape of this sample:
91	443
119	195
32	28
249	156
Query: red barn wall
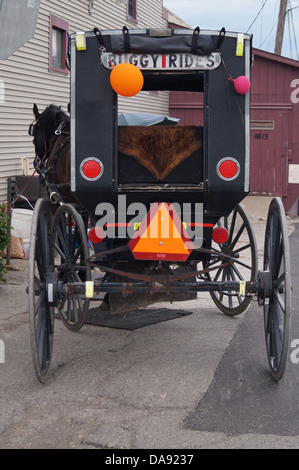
274	126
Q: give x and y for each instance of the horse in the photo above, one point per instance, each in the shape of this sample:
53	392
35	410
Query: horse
51	139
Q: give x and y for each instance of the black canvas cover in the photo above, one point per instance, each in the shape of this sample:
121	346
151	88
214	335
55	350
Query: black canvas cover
199	44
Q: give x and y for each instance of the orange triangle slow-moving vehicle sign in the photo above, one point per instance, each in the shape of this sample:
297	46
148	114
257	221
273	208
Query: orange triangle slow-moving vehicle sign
161	236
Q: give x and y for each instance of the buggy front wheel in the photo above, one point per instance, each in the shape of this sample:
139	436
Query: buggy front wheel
41	315
277	298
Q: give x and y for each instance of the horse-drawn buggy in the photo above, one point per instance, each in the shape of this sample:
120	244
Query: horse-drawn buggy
150	213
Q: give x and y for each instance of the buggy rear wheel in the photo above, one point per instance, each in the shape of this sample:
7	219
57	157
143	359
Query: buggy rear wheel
71	252
243	261
41	315
277	303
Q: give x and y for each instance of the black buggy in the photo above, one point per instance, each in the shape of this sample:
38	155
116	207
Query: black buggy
156	213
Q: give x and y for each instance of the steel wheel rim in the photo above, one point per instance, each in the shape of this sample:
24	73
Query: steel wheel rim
41	315
277	307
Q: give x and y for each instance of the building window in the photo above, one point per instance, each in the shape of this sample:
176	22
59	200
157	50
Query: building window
58	44
132	10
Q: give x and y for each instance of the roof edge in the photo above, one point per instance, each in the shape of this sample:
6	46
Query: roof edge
276	57
172	18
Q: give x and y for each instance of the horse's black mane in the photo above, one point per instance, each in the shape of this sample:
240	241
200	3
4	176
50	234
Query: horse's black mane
50	119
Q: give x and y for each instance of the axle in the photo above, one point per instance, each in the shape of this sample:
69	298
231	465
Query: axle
93	289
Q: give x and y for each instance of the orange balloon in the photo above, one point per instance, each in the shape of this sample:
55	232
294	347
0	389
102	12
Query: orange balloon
126	79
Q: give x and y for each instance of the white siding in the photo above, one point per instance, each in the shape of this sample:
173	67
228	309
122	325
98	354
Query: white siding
27	78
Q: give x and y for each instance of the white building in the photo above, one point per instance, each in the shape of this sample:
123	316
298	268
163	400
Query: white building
36	72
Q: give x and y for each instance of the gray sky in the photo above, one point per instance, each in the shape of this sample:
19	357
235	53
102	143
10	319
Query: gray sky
238	15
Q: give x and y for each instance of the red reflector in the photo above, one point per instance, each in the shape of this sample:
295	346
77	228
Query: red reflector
220	235
228	168
91	169
96	235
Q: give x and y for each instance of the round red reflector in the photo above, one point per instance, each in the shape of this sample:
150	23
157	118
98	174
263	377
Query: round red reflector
96	235
220	235
228	169
91	169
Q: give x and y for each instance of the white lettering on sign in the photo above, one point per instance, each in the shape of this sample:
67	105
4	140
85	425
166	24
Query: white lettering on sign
174	62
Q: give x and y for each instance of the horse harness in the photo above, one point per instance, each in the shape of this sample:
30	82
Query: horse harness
59	131
40	164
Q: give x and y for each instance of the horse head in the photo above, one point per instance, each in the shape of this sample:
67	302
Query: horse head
51	139
44	126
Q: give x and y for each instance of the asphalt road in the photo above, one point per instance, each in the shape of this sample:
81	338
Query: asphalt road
199	380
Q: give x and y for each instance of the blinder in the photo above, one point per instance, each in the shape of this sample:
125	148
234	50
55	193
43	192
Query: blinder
32	128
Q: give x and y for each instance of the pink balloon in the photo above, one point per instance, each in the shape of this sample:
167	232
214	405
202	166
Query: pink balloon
242	85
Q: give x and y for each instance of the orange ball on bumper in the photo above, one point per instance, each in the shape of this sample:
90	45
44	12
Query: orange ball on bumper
126	79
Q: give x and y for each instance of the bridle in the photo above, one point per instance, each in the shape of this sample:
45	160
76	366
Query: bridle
32	128
32	131
40	163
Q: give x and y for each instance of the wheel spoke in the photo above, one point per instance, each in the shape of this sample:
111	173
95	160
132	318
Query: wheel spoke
40	337
40	323
232	227
247	266
279	281
275	340
40	260
75	315
73	251
60	252
277	261
279	300
74	240
242	248
238	235
219	271
62	237
37	285
78	253
235	269
39	304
